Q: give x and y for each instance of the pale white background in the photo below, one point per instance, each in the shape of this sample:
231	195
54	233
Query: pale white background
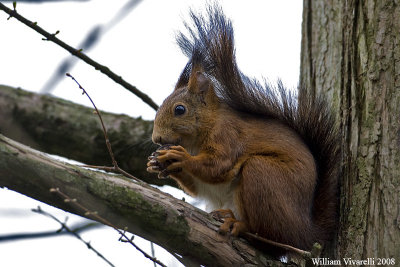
142	50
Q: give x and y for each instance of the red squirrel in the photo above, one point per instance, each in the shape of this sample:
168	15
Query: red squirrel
266	161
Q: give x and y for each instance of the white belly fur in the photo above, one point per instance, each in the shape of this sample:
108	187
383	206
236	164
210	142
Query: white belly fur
217	196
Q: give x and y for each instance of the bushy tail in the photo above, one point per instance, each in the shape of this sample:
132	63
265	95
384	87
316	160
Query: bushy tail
210	46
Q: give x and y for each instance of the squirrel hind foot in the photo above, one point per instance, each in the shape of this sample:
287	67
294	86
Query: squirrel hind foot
233	227
230	224
221	214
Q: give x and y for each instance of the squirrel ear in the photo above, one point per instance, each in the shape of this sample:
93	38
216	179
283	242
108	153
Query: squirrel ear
199	83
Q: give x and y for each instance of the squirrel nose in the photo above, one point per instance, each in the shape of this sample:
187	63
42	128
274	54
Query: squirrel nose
157	139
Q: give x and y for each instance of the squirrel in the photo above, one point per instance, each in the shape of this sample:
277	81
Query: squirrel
264	160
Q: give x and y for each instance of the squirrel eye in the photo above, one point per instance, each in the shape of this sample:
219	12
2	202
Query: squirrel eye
179	110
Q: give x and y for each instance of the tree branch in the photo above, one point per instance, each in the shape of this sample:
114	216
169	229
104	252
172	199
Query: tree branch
173	224
78	53
63	128
66	228
76	228
94	215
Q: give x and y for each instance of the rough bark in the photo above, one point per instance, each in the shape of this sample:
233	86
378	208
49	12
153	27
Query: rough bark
73	131
351	53
173	224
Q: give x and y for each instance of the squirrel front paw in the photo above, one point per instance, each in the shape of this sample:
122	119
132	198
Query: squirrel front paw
167	159
155	166
175	158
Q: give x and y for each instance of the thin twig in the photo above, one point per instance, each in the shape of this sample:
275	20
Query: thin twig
101	120
153	253
112	169
24	236
303	253
78	53
74	233
98	218
116	168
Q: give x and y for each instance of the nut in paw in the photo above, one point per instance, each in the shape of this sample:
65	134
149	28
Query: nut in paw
154	165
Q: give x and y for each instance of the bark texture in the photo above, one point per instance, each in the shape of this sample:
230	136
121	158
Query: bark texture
173	224
351	53
73	131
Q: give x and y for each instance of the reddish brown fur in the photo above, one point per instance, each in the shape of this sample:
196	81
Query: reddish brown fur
270	161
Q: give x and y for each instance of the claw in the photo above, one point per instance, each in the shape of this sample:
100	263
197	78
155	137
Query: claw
231	225
221	214
163	174
153	169
152	157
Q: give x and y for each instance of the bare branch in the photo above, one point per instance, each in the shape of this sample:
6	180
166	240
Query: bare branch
107	140
300	252
65	227
78	53
98	218
77	228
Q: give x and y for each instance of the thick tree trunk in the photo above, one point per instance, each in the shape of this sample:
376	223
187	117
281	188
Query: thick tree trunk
60	127
351	53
